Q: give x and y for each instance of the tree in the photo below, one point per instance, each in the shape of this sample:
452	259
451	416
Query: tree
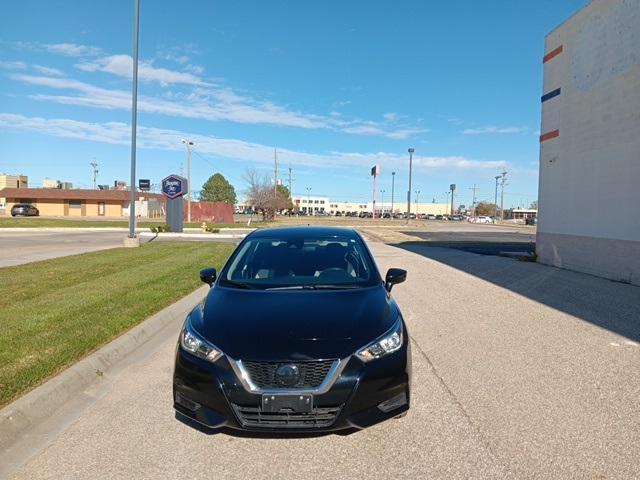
485	208
218	189
534	205
263	197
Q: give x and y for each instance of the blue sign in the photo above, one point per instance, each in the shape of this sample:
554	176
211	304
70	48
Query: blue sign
174	186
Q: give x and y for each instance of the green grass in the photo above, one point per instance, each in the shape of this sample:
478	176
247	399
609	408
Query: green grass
55	312
36	222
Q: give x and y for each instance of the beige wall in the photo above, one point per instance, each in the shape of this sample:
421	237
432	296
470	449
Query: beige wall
59	208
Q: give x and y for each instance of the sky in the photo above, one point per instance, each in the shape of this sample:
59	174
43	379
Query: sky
335	86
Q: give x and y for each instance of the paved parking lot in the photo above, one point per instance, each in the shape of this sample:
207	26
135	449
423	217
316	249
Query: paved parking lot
520	371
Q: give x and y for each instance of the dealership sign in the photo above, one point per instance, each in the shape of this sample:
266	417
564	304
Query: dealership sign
174	186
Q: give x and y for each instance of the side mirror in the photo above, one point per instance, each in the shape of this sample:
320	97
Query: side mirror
208	275
394	275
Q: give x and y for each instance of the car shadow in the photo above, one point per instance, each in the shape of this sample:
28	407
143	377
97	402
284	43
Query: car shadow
608	304
260	435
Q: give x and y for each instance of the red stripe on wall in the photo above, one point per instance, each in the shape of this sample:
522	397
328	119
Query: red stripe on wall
552	54
549	135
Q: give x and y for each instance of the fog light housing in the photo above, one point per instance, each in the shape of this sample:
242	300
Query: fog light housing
394	402
187	402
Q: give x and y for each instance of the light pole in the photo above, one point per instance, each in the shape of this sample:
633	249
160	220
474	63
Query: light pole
504	179
495	203
393	185
417	192
447	194
411	151
382	204
188	144
308	200
134	118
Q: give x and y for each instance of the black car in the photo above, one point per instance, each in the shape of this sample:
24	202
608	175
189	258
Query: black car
531	221
24	210
298	332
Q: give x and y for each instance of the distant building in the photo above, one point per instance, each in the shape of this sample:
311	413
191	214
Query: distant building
520	213
11	181
82	203
311	204
590	143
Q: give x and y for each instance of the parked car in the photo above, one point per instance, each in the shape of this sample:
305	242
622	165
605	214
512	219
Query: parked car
440	217
386	215
430	216
457	218
481	219
531	221
24	210
245	357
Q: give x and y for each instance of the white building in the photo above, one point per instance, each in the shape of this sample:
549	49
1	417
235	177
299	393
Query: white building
590	143
310	204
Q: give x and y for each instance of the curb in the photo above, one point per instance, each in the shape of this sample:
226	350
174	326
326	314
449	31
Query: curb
30	410
205	236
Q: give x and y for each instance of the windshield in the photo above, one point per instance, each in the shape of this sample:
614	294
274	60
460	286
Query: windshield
290	263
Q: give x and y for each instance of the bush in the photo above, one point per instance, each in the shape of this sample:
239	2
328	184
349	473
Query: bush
160	229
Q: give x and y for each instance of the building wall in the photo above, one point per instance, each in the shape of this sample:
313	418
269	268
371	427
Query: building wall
590	143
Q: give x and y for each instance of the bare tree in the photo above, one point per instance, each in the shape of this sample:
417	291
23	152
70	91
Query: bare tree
263	196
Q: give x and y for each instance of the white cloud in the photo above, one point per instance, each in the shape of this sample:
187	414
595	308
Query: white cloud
122	66
205	102
52	72
494	130
71	49
234	149
391	117
10	65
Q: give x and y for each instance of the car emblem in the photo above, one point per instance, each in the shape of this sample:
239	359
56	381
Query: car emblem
287	375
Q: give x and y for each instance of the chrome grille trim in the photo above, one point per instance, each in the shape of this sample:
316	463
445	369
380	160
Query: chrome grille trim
332	375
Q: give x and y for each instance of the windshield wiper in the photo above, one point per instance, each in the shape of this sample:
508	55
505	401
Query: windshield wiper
235	284
314	287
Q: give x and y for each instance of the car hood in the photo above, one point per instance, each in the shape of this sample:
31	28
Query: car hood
300	324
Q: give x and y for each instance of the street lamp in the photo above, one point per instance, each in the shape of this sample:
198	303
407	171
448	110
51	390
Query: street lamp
134	118
393	185
495	203
447	194
308	200
382	205
188	144
411	151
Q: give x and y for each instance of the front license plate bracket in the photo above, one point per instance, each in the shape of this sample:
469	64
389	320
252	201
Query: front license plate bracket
275	403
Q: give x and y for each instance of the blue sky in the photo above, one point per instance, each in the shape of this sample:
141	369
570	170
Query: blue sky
336	86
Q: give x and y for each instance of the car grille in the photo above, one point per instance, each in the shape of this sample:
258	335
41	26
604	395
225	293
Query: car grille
312	373
317	418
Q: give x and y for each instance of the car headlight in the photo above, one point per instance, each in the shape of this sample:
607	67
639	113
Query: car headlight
390	342
193	343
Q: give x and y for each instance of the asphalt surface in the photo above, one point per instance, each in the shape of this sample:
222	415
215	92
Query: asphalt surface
483	240
19	247
510	381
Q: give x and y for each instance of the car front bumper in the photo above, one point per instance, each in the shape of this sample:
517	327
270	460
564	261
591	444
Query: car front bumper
362	395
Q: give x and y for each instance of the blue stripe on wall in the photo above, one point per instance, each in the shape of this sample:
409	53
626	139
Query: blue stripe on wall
551	94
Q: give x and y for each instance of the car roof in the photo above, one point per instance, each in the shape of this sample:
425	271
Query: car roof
304	232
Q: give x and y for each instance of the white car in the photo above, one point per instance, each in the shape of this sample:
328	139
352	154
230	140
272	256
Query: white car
481	219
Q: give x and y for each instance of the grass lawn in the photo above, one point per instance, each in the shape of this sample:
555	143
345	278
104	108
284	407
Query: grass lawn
35	222
53	313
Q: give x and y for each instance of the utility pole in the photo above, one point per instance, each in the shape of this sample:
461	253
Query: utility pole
94	164
290	183
275	172
411	151
417	192
308	200
447	194
393	185
502	183
495	203
473	204
134	119
382	205
188	144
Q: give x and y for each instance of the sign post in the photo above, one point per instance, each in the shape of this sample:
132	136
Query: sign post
174	187
375	171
